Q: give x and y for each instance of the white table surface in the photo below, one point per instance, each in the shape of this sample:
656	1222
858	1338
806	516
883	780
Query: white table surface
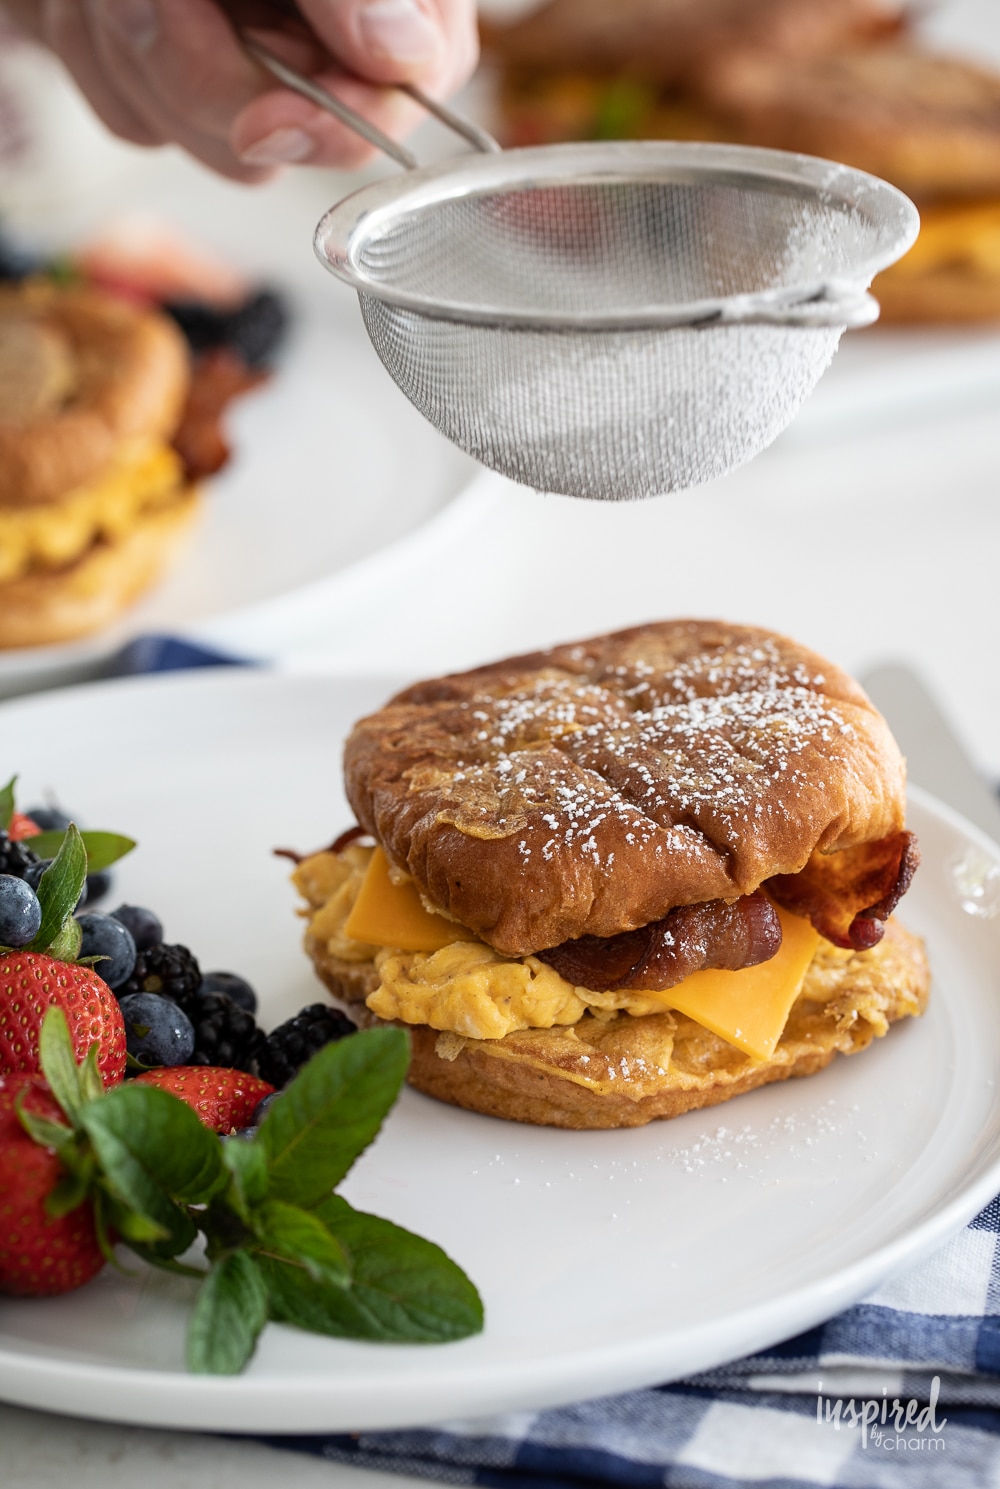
870	531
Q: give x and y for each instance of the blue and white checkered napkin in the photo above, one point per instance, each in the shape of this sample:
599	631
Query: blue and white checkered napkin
900	1392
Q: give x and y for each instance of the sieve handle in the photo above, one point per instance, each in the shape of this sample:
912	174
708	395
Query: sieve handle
478	138
833	304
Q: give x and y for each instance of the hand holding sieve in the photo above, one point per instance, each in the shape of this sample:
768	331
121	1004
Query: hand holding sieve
611	320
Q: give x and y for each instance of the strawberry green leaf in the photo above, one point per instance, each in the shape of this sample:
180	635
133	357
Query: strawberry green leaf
287	1234
59	889
230	1311
91	1084
7	803
55	1056
42	1130
103	848
330	1113
248	1165
65	944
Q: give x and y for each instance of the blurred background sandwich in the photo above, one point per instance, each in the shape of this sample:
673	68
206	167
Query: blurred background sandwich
850	80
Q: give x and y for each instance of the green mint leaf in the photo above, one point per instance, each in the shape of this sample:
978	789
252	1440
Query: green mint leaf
55	1055
139	1231
403	1289
7	803
71	1191
59	888
330	1113
164	1135
247	1163
287	1234
230	1311
407	1287
153	1152
102	848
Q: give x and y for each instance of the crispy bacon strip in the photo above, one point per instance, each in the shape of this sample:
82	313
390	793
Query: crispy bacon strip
217	378
850	895
689	939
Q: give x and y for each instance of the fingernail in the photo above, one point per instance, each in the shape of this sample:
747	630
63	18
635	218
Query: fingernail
135	22
281	147
398	29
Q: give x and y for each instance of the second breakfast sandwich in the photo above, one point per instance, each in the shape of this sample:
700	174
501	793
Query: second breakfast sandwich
622	878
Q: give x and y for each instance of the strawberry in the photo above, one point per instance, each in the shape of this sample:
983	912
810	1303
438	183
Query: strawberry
40	1254
224	1099
30	983
21	827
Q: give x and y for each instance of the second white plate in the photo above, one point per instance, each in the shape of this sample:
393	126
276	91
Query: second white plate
606	1260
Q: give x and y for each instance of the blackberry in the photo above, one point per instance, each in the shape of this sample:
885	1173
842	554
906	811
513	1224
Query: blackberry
257	329
167	969
224	1033
254	330
287	1048
233	986
15	858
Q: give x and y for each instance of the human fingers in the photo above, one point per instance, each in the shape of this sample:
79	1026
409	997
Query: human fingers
374	39
63	27
180	68
433	43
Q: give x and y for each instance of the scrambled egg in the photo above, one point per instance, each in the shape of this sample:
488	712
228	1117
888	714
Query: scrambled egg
52	535
466	988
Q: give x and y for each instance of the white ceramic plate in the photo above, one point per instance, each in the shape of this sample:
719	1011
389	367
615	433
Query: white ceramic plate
330	462
606	1260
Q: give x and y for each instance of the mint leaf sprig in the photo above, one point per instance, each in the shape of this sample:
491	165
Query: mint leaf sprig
279	1243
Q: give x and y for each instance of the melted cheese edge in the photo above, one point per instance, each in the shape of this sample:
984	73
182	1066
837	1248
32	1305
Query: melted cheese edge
52	535
436	973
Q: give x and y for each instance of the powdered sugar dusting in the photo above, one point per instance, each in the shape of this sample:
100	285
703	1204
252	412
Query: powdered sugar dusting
651	750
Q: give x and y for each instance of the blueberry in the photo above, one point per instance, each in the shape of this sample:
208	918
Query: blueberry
49	819
20	912
104	936
33	874
233	986
146	927
98	885
157	1032
262	1108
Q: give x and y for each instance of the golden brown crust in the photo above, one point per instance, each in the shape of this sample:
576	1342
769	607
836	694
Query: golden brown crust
946	294
666	39
627	1071
926	122
592	788
44	607
104	374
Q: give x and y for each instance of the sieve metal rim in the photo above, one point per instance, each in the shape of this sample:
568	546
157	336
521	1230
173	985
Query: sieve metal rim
344	229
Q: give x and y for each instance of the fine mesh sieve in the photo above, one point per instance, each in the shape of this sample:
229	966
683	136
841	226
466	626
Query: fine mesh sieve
610	320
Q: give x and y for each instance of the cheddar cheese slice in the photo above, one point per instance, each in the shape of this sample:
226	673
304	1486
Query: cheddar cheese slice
390	914
750	1008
